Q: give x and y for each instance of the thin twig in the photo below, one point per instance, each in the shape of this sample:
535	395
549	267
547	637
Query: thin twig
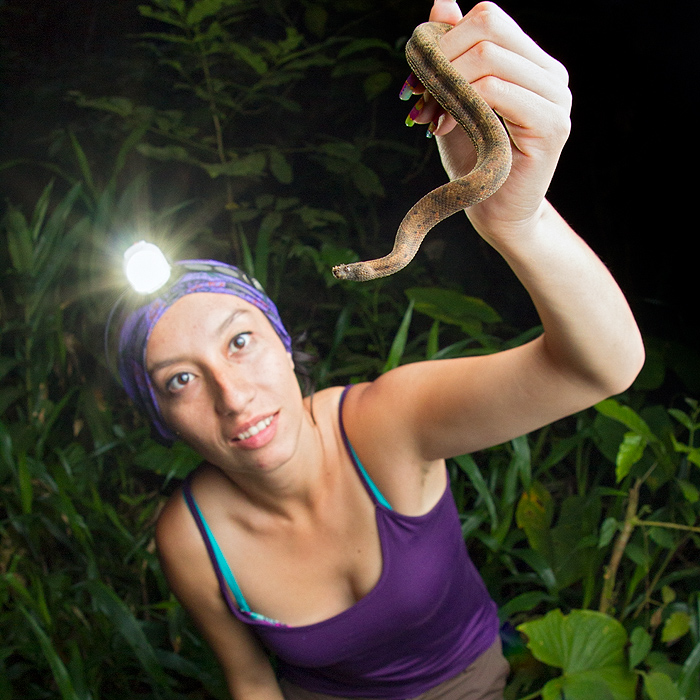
607	597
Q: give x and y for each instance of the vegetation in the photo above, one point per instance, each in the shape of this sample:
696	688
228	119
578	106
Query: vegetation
586	532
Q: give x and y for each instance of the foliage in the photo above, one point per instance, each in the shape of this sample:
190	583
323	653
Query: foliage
586	532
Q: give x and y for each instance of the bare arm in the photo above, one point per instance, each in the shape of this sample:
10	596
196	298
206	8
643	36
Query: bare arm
184	559
591	347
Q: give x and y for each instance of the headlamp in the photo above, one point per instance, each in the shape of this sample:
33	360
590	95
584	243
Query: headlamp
145	267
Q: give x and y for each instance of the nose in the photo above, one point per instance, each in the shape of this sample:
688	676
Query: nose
232	390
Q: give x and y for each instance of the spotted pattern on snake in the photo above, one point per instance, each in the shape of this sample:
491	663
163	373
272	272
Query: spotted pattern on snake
487	133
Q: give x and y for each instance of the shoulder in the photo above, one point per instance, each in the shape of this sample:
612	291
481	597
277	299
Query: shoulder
380	424
179	543
191	577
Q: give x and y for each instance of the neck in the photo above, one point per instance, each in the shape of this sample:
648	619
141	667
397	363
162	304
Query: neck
296	485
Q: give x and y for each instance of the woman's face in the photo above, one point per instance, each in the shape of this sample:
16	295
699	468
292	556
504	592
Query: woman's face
225	382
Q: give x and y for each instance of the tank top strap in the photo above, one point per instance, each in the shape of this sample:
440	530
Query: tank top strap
371	487
224	575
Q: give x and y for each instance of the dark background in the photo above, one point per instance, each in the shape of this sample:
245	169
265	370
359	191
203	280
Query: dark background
626	181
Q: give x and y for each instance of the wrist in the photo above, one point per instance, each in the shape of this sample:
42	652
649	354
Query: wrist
508	234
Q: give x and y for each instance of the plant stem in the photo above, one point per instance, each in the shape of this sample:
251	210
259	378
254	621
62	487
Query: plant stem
219	134
655	581
607	597
670	526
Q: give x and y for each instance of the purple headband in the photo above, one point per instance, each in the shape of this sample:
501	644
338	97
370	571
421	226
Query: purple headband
196	276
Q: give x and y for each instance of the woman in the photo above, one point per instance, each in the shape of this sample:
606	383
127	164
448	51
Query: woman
331	538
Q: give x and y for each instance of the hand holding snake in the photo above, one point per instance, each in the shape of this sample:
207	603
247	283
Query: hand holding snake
490	58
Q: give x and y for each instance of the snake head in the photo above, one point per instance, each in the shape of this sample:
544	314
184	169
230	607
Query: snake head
356	272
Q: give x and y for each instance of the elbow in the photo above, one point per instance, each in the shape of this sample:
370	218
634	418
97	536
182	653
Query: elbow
630	361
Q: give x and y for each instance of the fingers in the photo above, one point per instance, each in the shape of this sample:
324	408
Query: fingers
487	22
522	83
445	11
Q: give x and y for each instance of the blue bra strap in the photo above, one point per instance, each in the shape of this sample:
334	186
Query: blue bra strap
224	575
379	497
221	567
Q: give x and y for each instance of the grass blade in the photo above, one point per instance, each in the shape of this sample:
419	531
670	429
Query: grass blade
128	626
399	344
58	668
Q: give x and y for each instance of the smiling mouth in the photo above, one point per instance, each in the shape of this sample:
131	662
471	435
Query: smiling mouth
255	429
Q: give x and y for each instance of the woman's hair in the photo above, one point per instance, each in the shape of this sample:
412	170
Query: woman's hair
193	276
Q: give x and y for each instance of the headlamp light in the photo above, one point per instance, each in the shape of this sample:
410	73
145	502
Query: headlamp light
145	267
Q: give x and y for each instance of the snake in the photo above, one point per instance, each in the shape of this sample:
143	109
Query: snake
487	133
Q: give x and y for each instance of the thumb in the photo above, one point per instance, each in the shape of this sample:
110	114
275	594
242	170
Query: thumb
445	11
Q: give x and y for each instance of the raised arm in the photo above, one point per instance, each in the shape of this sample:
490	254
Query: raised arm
591	346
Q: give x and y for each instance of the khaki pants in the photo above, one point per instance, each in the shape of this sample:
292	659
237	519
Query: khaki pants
484	679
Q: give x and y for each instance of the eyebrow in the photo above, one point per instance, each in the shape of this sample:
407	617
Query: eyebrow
233	316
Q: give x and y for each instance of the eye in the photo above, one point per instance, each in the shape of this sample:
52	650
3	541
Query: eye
238	342
179	381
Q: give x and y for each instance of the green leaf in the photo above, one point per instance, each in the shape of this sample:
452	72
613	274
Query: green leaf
280	167
248	56
399	344
525	602
660	687
534	514
315	18
58	668
164	153
270	223
251	166
522	459
453	307
19	241
589	648
607	531
580	688
640	646
677	625
202	9
176	461
24	477
625	415
689	673
129	628
166	17
683	418
83	162
366	180
362	46
375	84
628	454
690	491
471	469
9	395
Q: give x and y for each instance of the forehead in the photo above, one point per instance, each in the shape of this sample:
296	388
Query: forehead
197	317
207	311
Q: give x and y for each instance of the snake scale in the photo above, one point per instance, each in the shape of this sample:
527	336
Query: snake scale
490	139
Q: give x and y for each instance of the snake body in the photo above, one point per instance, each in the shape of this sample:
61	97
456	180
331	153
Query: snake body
490	139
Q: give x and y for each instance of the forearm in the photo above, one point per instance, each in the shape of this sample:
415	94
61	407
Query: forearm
589	330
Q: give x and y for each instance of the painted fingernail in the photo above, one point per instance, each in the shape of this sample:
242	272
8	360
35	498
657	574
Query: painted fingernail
431	129
413	114
409	87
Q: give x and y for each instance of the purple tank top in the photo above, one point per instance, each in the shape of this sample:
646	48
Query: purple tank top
426	620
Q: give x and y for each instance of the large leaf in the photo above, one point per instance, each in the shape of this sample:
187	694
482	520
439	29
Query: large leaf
452	307
534	515
659	686
589	648
625	415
